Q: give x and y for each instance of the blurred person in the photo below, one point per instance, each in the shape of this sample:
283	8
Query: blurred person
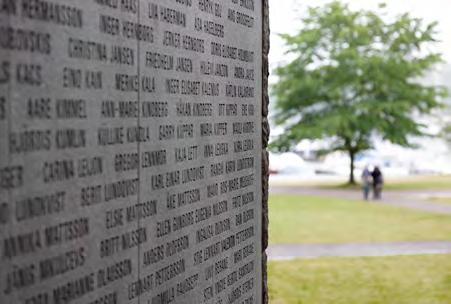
366	182
378	182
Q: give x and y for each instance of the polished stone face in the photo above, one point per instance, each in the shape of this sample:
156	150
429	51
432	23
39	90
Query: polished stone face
130	151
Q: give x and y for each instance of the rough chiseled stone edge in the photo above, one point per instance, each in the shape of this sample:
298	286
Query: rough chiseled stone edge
265	138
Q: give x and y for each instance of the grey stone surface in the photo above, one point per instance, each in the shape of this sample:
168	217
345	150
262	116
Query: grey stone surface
131	151
265	139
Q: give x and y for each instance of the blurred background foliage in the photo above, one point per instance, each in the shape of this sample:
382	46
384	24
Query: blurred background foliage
355	78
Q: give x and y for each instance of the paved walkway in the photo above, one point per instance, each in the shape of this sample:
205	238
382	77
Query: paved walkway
299	251
406	199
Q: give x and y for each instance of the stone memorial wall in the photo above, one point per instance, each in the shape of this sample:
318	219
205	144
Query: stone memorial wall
131	155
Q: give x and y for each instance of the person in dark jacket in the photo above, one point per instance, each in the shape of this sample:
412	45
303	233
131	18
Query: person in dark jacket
378	182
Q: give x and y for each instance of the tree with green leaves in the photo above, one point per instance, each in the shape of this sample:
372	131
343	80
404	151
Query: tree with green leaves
355	76
446	133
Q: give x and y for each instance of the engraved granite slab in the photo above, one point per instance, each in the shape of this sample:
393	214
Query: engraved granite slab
130	151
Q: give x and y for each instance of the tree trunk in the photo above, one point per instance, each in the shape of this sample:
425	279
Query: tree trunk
351	173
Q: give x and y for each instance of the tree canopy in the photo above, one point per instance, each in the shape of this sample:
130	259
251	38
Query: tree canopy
355	76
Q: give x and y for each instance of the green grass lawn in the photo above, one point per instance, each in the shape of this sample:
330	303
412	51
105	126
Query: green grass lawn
441	200
380	280
442	182
303	219
420	183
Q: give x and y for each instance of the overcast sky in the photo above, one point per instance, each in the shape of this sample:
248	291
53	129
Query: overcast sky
285	14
